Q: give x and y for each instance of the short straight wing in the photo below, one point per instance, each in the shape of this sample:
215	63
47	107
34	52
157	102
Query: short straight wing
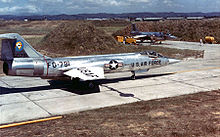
86	73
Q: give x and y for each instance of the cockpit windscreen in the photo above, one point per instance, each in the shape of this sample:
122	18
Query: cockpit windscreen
152	54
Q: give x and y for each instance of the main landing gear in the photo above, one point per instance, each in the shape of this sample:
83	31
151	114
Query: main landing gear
83	84
133	75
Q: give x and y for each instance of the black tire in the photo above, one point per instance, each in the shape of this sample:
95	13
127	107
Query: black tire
76	82
91	85
133	77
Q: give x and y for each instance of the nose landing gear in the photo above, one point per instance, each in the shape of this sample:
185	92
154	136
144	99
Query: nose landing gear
133	75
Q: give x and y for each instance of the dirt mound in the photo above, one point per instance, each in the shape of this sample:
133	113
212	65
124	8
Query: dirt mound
82	38
184	29
78	38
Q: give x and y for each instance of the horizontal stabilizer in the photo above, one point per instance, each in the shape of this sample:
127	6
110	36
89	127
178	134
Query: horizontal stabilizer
86	73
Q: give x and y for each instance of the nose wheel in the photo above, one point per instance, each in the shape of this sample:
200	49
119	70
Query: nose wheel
133	75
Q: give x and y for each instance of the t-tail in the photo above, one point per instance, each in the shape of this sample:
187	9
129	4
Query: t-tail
134	30
19	57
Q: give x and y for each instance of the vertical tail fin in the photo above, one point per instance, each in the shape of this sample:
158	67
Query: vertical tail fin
14	46
134	28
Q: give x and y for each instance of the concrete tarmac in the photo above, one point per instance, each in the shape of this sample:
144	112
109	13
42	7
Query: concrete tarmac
24	98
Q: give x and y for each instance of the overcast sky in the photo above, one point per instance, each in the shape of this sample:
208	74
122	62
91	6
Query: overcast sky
25	7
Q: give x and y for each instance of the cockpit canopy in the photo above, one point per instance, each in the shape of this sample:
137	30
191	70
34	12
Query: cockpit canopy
152	54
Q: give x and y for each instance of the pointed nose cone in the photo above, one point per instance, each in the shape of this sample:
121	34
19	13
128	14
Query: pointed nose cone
173	37
172	61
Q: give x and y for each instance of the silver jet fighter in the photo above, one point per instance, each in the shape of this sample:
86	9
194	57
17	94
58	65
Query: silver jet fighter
20	59
152	36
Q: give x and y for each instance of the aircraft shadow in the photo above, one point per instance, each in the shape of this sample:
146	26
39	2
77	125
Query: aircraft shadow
53	84
115	80
79	89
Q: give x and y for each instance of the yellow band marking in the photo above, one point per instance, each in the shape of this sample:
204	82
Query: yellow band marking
30	122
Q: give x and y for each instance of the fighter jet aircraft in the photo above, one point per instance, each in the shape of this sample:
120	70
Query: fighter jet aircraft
20	59
151	36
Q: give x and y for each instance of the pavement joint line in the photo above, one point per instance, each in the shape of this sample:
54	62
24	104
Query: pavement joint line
54	97
36	104
195	78
30	122
192	70
15	103
6	83
137	86
182	82
143	85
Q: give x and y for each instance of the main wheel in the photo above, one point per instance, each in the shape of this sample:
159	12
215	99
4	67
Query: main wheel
91	85
75	82
133	77
88	87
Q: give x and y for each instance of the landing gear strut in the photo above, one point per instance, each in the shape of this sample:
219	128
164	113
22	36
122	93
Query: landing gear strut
75	82
133	75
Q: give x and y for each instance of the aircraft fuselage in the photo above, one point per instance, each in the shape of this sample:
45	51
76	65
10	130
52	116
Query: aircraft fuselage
54	67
